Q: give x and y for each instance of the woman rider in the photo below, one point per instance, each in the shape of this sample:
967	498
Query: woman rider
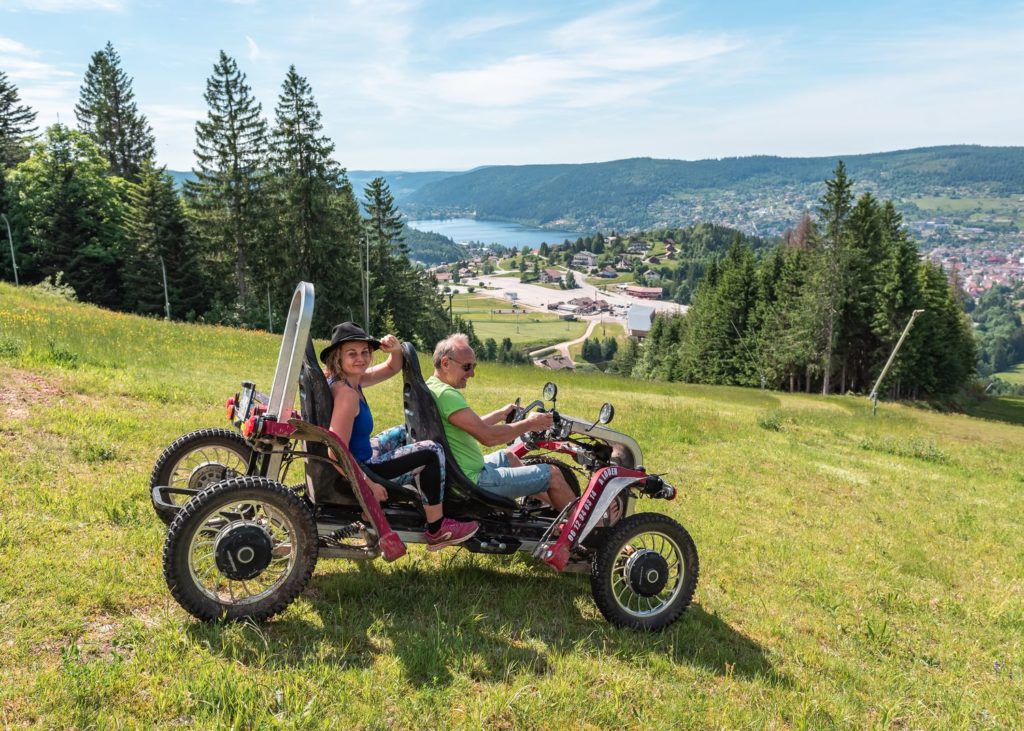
348	365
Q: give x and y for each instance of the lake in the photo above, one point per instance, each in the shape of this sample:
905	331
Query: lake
463	230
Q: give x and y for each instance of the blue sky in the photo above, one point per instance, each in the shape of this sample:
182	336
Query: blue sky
435	85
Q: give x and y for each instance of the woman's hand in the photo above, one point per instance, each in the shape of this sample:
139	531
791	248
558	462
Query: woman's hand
389	344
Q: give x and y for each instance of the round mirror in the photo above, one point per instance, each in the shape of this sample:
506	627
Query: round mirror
607	412
550	391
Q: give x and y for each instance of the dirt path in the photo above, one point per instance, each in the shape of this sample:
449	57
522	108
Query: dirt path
563	348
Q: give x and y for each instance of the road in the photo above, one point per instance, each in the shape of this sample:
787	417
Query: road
532	295
563	348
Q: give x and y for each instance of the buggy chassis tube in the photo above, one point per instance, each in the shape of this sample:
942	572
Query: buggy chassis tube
289	362
391	545
605	486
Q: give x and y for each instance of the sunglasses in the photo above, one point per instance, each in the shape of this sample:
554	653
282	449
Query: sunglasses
466	367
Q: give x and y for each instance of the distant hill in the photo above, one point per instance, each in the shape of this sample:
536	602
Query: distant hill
760	194
402	184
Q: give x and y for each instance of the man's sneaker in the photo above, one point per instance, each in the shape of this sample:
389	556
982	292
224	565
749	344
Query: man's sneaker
450	533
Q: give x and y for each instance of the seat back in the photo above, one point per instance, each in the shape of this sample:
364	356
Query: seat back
422	422
324	484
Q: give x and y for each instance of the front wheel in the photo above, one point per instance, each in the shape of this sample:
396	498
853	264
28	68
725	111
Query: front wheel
241	549
645	573
197	460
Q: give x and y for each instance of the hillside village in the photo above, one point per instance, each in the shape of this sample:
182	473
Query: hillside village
978	270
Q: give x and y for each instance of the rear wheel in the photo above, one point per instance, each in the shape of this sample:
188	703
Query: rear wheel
197	460
645	573
241	549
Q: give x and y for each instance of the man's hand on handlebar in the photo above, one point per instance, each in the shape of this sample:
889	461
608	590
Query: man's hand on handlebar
539	420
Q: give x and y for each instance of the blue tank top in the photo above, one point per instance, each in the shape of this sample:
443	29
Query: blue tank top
362	428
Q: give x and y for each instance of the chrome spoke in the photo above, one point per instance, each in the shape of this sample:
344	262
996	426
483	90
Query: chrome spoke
202	552
627	593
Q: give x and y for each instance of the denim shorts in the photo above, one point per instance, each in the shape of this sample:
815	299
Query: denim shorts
499	478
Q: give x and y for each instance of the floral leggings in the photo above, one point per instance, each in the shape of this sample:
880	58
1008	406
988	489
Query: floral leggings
419	462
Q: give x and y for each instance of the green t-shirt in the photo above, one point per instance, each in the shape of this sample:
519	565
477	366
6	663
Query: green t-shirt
466	449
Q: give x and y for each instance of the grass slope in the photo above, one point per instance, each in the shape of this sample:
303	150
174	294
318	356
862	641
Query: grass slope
528	330
856	571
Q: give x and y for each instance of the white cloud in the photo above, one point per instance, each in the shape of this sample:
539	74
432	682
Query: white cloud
481	25
9	45
174	129
47	89
254	49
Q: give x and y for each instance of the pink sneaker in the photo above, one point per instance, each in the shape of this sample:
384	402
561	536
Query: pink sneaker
450	533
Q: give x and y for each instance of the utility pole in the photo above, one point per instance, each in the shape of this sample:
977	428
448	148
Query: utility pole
270	314
366	288
892	357
167	299
11	241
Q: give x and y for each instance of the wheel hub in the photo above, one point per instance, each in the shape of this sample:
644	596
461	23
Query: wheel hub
208	473
647	571
242	550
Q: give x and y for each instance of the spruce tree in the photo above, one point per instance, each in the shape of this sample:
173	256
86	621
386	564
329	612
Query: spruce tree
158	230
316	226
396	285
107	112
226	200
896	295
832	264
860	345
16	135
16	126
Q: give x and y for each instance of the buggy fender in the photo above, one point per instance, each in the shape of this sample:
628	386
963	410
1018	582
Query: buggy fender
588	511
611	491
391	545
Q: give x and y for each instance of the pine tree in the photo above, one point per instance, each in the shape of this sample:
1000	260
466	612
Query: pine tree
943	350
226	200
16	135
16	127
158	230
107	112
832	264
717	348
74	214
896	295
316	226
397	286
859	347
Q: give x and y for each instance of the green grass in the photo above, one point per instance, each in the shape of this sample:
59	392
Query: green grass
529	329
974	209
856	572
1012	375
619	278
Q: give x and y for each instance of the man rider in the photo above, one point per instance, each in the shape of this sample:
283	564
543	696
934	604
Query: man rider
500	472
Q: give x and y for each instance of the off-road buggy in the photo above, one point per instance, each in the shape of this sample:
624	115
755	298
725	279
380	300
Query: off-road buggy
243	543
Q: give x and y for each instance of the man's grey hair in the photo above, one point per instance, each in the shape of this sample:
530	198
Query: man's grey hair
448	346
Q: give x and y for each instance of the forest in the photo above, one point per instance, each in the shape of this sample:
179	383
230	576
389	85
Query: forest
267	205
821	312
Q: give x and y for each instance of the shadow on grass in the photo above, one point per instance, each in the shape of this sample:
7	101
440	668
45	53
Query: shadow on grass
474	619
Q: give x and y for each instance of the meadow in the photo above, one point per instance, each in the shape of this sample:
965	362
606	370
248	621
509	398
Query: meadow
856	571
974	209
1014	375
529	329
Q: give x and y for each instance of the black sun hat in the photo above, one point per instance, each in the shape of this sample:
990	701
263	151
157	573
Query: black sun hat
345	332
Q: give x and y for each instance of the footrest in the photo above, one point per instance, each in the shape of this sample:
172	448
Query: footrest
162	497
